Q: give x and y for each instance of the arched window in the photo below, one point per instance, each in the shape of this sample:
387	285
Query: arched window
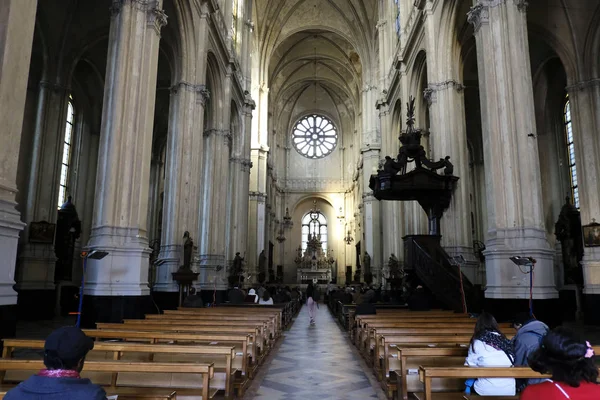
314	223
571	152
397	23
63	189
314	136
235	23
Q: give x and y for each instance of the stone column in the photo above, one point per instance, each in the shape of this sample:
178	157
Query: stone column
585	102
257	209
371	206
183	186
117	285
35	279
212	245
515	217
17	21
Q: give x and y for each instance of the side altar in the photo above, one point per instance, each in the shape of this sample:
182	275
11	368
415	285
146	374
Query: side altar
314	265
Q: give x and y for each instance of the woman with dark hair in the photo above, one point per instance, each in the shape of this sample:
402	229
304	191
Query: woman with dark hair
572	365
490	348
266	299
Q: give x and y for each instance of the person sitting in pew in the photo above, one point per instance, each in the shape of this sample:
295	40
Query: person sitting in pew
490	348
251	298
236	295
193	300
530	333
266	299
64	354
571	362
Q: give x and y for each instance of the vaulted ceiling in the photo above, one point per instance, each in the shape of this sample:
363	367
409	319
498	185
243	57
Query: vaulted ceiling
315	46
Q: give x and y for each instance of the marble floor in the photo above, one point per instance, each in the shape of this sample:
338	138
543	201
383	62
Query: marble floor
314	362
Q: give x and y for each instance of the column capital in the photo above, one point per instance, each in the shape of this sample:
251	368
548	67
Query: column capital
245	163
479	13
157	18
583	85
224	133
430	93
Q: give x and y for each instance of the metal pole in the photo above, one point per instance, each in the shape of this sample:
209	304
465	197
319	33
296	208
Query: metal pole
78	324
531	290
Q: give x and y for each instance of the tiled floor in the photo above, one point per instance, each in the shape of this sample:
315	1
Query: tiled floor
314	362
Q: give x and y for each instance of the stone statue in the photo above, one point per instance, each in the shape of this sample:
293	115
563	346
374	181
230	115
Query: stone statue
391	166
568	231
449	170
262	262
188	246
238	264
367	263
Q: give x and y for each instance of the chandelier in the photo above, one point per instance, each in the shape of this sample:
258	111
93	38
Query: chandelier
287	220
348	239
280	237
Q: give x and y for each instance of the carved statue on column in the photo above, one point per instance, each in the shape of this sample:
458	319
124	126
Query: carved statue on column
367	263
568	231
188	247
262	262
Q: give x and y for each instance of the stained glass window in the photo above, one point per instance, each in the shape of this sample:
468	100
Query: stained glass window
63	188
571	153
314	136
314	223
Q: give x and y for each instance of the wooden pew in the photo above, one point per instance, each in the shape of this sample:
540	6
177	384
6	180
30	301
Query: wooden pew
222	357
154	337
427	374
225	315
374	333
240	309
132	391
385	363
267	327
255	347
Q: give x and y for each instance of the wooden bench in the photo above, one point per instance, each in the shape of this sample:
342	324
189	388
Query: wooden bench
427	374
385	362
131	390
240	309
267	327
375	333
256	347
241	342
222	357
269	317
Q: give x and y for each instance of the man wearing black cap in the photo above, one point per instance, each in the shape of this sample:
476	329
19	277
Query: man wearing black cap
64	354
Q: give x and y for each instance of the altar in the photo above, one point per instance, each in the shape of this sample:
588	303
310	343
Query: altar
313	265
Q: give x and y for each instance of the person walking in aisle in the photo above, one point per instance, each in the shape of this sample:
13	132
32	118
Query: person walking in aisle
311	303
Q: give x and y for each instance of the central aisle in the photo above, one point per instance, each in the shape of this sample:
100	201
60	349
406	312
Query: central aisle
315	362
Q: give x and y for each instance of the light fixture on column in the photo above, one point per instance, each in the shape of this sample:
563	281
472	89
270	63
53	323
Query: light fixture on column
348	239
287	220
94	255
280	237
528	262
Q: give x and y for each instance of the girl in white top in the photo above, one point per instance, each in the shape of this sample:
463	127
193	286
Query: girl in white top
490	348
266	299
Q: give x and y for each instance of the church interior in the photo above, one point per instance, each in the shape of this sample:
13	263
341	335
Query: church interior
151	146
